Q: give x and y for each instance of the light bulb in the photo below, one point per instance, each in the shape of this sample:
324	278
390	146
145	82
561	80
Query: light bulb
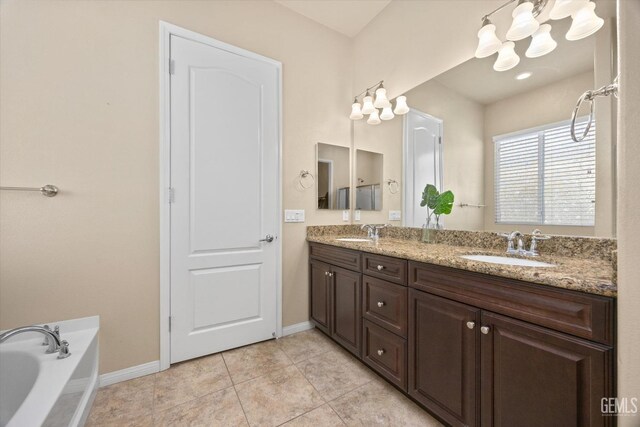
524	24
563	8
585	22
387	114
488	42
541	42
401	105
356	112
367	104
374	118
507	57
381	98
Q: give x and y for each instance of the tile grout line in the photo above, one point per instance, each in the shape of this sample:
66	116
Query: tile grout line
233	385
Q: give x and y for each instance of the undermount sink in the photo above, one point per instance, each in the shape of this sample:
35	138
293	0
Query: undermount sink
492	259
353	239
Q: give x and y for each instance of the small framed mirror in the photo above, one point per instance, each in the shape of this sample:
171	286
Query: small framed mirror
368	181
332	174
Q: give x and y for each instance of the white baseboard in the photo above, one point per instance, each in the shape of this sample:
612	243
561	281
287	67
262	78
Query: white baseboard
298	327
129	373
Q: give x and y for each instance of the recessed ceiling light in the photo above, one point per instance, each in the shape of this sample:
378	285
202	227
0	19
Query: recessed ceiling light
523	76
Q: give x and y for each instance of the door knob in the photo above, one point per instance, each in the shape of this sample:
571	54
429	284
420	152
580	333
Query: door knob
268	239
380	352
471	325
380	304
485	330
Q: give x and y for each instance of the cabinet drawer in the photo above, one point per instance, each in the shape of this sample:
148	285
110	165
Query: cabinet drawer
385	304
386	353
341	257
584	315
384	267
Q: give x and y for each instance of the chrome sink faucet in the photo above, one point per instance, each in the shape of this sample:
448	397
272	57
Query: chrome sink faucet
53	341
373	230
518	238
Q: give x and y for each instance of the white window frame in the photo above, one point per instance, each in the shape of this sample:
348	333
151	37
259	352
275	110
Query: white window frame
538	129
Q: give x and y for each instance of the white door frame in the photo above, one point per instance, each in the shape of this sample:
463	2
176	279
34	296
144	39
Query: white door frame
166	30
407	189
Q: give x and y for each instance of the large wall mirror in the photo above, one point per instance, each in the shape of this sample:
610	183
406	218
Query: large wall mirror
332	177
368	181
501	140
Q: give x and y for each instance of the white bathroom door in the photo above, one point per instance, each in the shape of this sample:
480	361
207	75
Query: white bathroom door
422	163
225	124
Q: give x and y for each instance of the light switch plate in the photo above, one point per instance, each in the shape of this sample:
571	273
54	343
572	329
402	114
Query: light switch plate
345	215
395	215
356	215
294	215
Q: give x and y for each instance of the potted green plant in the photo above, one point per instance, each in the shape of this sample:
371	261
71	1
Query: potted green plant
437	204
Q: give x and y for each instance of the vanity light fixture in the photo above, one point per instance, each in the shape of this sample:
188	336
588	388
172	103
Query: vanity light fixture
585	23
507	57
371	108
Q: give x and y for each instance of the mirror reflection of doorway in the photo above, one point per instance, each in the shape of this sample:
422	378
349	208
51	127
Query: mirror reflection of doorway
325	183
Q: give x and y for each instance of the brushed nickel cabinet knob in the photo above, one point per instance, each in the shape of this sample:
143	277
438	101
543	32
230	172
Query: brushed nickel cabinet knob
485	330
471	325
380	352
380	304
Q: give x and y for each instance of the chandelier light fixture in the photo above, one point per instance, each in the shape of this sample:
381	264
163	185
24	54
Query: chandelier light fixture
582	12
371	107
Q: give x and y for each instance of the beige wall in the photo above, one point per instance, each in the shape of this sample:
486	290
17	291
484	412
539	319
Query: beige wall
79	109
550	104
628	206
463	162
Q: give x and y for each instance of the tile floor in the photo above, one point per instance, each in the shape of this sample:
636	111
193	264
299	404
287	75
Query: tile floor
300	380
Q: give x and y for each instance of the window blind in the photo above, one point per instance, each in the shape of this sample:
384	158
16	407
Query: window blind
543	177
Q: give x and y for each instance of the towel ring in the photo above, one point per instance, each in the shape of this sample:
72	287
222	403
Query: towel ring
303	175
590	95
394	186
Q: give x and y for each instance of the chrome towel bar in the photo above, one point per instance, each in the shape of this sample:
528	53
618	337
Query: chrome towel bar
47	190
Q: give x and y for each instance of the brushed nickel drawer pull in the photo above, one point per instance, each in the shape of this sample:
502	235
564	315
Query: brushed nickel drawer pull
380	267
381	352
381	304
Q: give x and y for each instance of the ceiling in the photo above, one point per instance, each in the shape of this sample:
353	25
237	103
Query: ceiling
348	17
477	80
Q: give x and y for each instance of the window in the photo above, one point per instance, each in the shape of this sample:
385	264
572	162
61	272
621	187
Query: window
543	177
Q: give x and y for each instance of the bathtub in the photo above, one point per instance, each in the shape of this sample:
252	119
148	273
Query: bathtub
38	389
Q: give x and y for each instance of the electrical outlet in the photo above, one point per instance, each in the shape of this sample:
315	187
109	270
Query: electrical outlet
395	215
294	215
356	215
345	215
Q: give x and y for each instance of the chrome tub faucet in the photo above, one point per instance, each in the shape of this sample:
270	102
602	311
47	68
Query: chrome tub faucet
52	339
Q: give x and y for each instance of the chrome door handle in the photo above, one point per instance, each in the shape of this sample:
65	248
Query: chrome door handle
268	239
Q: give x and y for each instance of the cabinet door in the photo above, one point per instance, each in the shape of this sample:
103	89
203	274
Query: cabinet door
320	295
532	376
346	319
444	357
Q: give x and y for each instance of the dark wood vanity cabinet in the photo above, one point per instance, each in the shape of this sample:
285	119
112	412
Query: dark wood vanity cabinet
475	367
473	349
336	296
532	376
444	356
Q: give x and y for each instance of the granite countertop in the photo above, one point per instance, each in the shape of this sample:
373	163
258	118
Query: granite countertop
591	275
